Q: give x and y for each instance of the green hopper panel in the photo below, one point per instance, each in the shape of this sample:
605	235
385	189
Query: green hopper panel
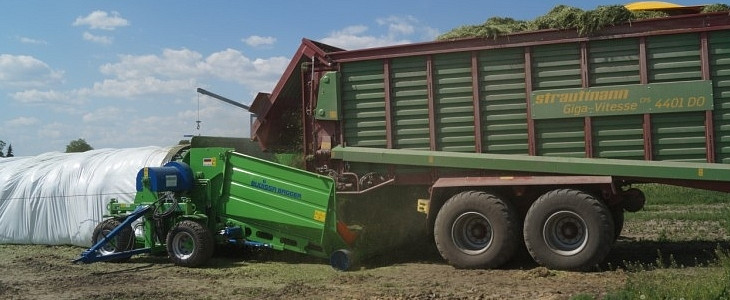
279	205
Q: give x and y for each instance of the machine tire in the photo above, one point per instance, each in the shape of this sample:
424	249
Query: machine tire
476	229
189	244
124	241
568	230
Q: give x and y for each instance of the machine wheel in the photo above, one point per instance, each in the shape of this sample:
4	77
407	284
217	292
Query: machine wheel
124	241
476	230
189	244
568	230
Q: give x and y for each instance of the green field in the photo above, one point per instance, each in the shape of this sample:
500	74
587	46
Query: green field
679	215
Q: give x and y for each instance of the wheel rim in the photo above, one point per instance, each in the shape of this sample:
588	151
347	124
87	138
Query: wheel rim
110	247
472	233
183	245
565	233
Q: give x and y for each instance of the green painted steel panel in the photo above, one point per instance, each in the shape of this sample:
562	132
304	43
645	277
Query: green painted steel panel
328	97
618	137
363	104
677	135
616	62
502	101
558	67
281	200
410	103
676	58
454	102
613	62
720	74
541	164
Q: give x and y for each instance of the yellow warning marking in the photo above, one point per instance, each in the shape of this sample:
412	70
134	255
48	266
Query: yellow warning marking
507	177
700	172
320	215
423	205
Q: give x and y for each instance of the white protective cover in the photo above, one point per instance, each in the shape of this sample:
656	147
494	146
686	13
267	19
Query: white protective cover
58	198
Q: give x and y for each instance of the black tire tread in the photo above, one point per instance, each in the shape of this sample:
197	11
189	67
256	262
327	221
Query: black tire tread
125	239
509	240
203	241
606	234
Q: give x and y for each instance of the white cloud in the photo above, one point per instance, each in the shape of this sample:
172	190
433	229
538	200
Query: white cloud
100	39
22	71
135	88
20	122
257	41
259	74
38	96
105	114
53	130
172	63
102	20
399	30
27	40
182	69
398	25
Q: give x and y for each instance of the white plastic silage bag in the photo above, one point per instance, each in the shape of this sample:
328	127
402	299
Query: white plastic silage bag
58	198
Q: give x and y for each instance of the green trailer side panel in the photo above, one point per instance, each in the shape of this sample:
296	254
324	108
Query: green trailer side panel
614	62
558	67
454	102
720	74
539	164
676	136
620	137
410	103
363	104
502	101
281	200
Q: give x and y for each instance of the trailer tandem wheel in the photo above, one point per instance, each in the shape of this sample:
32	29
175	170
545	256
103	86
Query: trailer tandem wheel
475	229
189	244
568	230
123	241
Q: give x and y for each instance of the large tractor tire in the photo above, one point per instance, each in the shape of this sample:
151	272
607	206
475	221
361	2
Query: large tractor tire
568	230
477	230
189	244
123	241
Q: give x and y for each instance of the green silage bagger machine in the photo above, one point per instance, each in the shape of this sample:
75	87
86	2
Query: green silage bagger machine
215	196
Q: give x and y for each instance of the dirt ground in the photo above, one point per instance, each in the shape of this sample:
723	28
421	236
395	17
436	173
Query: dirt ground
414	272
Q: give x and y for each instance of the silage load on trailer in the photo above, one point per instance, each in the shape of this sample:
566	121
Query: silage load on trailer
58	198
565	17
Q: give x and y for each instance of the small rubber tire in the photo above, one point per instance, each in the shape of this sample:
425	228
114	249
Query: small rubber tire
568	230
123	241
342	260
475	229
189	244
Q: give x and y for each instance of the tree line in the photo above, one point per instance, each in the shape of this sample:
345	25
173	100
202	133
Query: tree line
79	145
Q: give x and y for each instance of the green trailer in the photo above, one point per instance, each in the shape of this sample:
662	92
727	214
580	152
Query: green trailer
213	196
531	138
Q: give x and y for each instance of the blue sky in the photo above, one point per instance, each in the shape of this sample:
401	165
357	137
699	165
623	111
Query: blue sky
123	74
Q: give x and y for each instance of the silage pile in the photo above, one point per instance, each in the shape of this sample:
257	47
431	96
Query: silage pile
564	17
